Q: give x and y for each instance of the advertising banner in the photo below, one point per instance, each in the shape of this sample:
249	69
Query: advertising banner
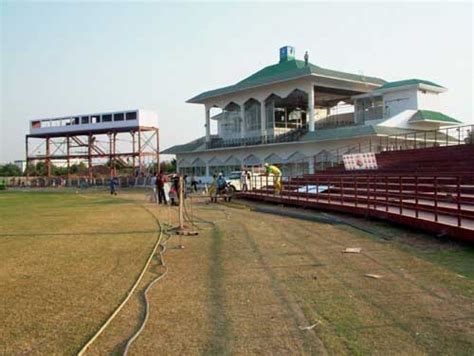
356	161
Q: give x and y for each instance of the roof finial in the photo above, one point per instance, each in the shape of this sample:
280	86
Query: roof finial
306	58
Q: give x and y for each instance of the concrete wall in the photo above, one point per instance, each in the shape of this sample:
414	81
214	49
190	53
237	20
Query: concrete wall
428	100
398	101
283	150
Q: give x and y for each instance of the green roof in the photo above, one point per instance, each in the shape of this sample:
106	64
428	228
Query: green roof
187	147
427	115
285	70
317	135
402	83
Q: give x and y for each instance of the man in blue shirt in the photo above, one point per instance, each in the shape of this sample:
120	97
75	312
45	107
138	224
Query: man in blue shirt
113	183
221	183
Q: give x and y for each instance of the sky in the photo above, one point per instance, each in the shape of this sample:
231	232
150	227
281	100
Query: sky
64	58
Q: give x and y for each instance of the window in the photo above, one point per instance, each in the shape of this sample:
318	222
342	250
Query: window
252	115
95	119
369	109
107	118
118	117
75	120
84	120
230	123
270	115
190	171
199	171
131	115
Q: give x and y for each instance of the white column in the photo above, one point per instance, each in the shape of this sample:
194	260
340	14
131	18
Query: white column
310	111
208	124
263	118
207	169
242	122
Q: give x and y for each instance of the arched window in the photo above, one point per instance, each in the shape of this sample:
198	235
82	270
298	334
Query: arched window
271	107
251	161
252	115
230	122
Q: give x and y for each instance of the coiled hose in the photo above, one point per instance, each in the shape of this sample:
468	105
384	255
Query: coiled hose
132	290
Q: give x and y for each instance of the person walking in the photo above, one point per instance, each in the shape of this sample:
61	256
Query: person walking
221	183
194	183
161	179
275	171
113	185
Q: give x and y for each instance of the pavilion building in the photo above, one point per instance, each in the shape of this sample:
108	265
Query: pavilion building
290	112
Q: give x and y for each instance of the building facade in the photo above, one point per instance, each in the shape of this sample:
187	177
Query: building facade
295	114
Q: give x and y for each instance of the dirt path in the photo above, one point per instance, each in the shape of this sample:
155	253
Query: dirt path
252	283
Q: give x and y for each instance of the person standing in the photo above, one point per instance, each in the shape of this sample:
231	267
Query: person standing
249	180
161	179
244	180
212	191
113	185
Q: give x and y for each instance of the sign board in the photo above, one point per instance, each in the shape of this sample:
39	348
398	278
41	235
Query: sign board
356	161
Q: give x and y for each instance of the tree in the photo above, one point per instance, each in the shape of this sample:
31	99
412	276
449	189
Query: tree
165	166
80	168
40	169
9	170
168	166
59	171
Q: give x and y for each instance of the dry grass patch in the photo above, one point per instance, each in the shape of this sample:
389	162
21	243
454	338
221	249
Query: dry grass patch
250	283
67	261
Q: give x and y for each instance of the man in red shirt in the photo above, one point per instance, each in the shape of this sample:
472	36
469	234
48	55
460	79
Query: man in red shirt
161	179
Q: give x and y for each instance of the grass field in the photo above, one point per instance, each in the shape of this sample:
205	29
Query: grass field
250	283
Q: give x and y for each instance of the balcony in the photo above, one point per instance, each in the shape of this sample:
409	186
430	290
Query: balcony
338	120
290	136
370	113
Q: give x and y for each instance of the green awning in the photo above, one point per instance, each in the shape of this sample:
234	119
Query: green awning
402	83
433	116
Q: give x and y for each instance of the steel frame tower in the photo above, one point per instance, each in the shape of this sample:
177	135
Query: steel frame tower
96	144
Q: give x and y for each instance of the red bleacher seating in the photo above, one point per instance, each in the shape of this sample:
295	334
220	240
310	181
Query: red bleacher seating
430	188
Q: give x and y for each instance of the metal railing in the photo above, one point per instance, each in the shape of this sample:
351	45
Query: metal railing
290	136
80	182
336	120
443	198
370	113
450	136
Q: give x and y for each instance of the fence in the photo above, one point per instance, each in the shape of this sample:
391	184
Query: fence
290	136
81	182
451	136
422	200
